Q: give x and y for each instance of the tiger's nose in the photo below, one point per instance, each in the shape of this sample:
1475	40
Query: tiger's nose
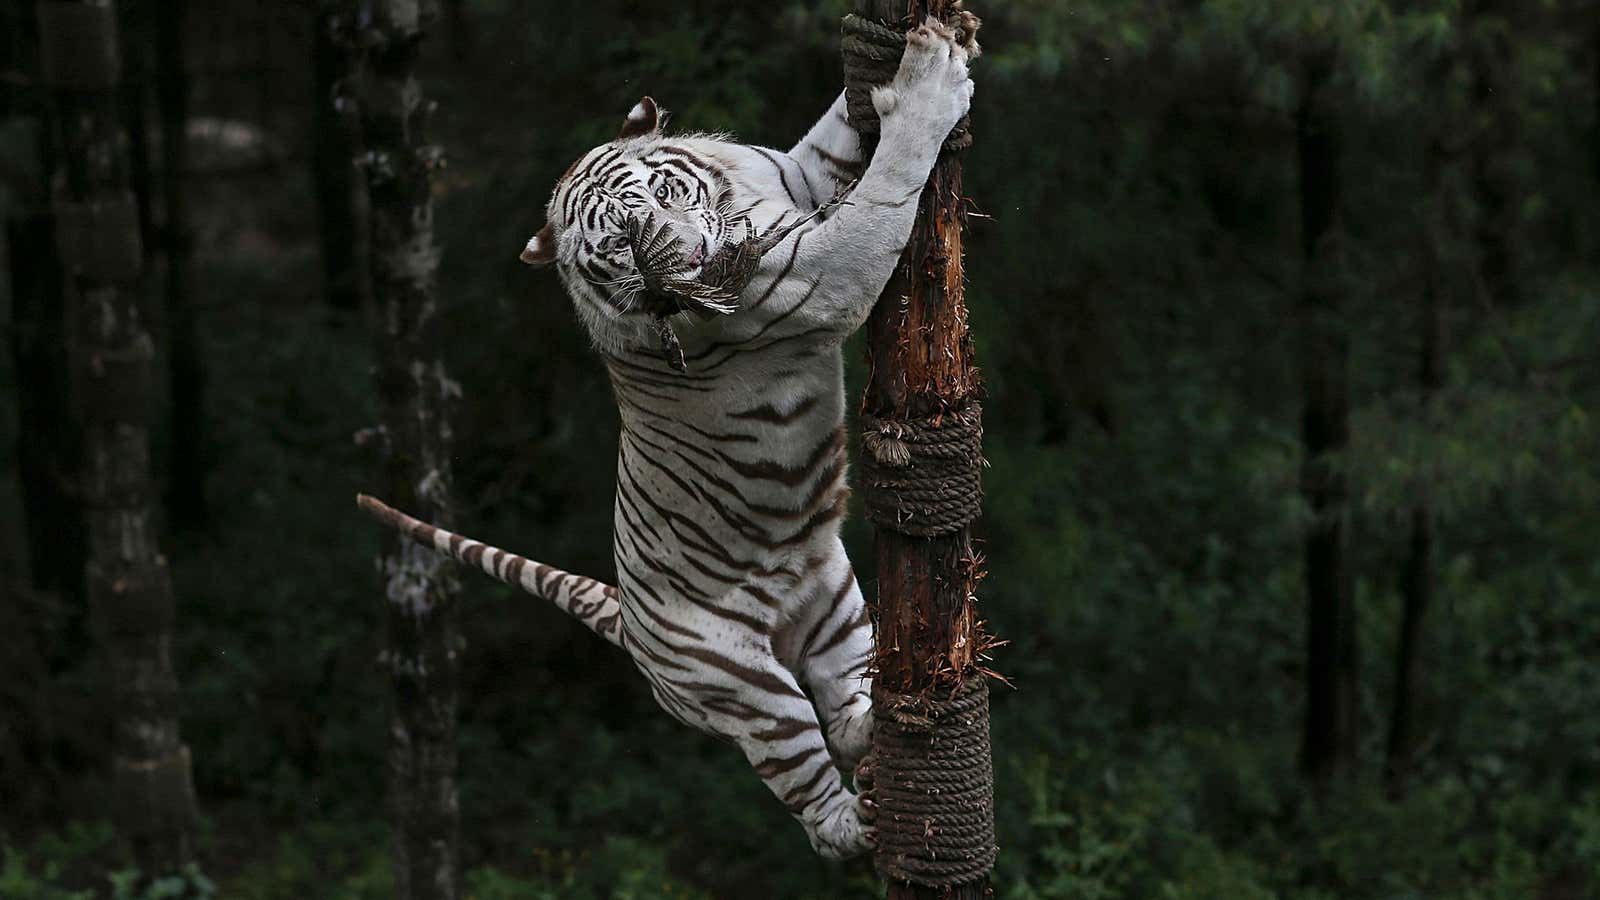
688	235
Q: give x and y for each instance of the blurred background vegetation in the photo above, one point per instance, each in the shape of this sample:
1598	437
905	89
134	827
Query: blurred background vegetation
1138	280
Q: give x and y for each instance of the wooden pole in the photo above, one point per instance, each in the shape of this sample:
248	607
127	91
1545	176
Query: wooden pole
416	397
920	358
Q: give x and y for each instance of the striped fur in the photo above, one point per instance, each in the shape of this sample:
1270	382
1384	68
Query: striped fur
735	598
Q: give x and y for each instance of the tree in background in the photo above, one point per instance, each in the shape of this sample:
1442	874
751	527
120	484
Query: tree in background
1329	742
1436	34
343	244
47	435
186	463
129	587
134	24
1493	58
416	396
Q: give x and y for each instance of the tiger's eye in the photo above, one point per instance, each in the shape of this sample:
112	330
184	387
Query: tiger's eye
663	194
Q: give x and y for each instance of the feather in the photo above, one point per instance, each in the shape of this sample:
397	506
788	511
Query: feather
661	261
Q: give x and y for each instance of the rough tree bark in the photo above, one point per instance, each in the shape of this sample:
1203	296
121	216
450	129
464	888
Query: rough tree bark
129	588
1329	744
186	464
416	397
344	276
921	364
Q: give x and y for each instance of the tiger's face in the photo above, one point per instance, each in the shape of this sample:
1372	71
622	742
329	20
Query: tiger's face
639	174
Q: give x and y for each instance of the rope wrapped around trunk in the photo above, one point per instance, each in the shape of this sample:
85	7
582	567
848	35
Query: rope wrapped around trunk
872	53
923	477
934	783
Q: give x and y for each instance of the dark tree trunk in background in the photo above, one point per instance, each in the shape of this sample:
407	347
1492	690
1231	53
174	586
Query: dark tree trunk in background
1330	726
186	495
130	592
1494	147
339	195
459	25
1419	579
135	22
415	397
46	739
920	355
48	437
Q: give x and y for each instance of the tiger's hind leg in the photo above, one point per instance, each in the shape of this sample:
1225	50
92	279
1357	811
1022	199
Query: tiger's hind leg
764	711
833	658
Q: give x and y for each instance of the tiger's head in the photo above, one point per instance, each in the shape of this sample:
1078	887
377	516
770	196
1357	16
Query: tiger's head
640	173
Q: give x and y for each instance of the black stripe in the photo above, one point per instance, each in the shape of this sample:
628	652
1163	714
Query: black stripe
766	412
783	177
794	254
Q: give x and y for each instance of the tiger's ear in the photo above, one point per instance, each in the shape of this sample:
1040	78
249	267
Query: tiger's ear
541	248
643	119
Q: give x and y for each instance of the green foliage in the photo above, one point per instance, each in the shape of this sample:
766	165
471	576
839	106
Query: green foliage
130	884
58	867
320	859
621	868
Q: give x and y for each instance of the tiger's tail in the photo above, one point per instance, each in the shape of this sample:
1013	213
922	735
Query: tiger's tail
591	602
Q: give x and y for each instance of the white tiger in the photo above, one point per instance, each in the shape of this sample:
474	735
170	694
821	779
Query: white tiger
734	596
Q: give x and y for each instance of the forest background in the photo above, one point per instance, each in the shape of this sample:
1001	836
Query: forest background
1289	316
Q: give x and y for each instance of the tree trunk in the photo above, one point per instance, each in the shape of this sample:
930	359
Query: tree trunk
48	436
920	357
48	440
1493	170
459	27
1594	133
55	737
344	274
416	397
136	29
130	592
186	496
1418	581
1330	727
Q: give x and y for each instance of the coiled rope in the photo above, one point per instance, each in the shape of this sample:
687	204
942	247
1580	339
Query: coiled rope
934	785
872	52
923	477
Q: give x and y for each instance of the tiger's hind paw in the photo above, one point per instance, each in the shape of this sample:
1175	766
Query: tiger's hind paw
846	831
864	794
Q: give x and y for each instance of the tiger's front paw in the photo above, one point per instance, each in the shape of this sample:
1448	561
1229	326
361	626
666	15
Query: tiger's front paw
845	830
931	91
